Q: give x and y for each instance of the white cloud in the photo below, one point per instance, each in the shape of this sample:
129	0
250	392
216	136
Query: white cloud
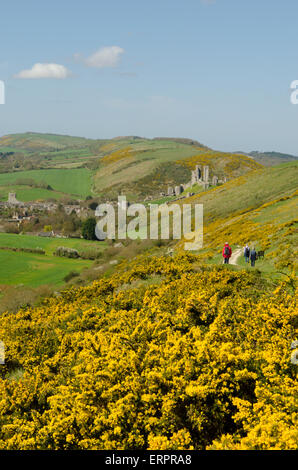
105	57
44	71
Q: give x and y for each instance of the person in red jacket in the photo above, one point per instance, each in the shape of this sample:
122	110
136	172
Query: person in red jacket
226	253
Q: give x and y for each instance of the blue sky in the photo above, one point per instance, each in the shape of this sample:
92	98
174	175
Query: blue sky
217	71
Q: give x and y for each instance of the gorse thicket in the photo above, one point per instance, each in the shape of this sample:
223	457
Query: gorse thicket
165	354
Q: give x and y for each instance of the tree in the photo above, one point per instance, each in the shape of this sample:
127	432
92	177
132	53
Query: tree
93	205
68	227
88	228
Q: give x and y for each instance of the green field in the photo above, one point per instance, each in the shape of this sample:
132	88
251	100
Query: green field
27	193
74	182
5	148
34	270
48	244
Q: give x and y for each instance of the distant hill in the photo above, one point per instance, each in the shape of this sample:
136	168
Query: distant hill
146	167
182	140
34	141
135	166
272	158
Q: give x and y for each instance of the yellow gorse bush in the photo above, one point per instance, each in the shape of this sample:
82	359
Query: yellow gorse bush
199	361
223	161
117	155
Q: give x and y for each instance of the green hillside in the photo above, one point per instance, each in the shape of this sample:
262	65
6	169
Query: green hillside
75	182
11	240
260	209
248	192
148	167
137	166
272	158
26	193
28	274
35	270
33	141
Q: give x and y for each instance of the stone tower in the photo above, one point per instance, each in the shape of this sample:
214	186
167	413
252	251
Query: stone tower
196	175
206	174
198	171
12	199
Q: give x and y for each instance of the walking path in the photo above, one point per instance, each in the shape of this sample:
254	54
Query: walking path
235	256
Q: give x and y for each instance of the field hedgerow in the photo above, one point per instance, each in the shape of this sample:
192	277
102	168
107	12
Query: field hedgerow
199	360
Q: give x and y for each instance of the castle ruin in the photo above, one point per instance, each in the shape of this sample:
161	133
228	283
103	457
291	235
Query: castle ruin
200	175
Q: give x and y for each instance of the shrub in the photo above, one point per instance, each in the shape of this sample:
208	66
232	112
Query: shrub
90	254
88	229
11	228
38	251
16	297
66	252
200	360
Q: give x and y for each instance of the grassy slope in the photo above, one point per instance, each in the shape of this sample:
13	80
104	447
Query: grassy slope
144	169
48	244
32	269
48	151
26	193
272	158
127	168
35	270
249	191
32	142
207	340
259	208
136	166
74	182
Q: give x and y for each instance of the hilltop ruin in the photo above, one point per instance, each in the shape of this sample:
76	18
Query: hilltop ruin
200	175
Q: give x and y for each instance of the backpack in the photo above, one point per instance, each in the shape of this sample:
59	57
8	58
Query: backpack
227	250
253	254
246	251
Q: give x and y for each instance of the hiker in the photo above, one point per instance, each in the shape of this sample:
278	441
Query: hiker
226	253
253	256
246	253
